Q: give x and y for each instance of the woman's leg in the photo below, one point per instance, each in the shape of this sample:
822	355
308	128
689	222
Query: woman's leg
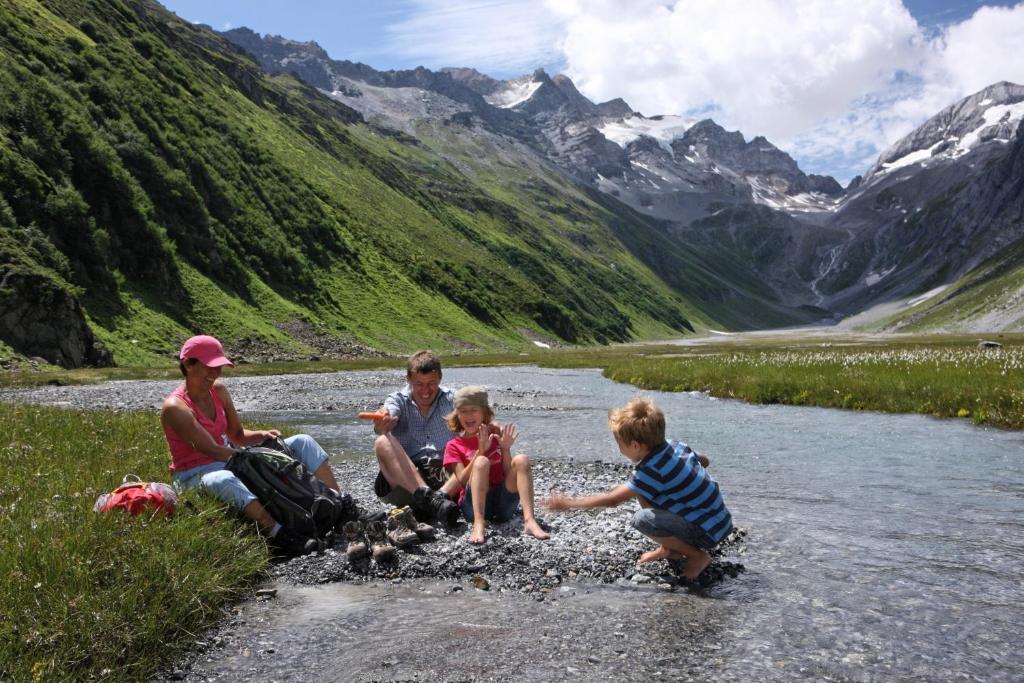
309	453
227	488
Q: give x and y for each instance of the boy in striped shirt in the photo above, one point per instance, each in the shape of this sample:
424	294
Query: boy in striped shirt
681	508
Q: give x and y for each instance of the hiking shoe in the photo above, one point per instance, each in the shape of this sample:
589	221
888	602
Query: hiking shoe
406	518
399	534
357	547
382	551
288	544
435	505
352	511
365	516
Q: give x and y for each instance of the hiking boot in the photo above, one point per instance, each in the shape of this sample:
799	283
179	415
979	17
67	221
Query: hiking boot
406	518
353	511
357	547
365	516
382	551
288	544
435	505
399	534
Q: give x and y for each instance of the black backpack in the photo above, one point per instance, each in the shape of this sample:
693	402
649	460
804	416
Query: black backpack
296	499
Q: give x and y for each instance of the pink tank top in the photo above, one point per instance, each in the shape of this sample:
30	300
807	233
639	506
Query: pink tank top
183	456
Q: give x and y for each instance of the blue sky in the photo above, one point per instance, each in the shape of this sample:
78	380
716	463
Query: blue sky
832	82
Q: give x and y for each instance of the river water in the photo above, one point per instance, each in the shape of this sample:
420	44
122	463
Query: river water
880	546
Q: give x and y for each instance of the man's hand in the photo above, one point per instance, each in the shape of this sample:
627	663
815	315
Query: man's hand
385	423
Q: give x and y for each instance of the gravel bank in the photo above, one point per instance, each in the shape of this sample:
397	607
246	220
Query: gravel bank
598	545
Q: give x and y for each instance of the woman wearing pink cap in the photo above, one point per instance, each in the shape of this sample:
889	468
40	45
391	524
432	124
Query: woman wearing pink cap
203	430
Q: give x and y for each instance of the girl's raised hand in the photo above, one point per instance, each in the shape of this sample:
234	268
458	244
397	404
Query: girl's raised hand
508	435
484	437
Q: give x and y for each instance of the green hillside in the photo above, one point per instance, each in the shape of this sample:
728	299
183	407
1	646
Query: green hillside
154	182
987	298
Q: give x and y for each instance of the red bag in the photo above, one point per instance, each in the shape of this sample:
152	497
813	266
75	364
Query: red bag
138	496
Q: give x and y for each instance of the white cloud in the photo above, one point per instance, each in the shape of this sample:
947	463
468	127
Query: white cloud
834	83
959	61
986	48
506	37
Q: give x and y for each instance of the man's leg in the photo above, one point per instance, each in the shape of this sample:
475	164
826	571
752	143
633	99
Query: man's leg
395	465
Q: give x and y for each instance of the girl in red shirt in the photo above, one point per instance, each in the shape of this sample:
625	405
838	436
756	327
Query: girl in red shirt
494	482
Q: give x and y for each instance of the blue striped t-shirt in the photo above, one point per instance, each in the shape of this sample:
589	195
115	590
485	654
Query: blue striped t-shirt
672	478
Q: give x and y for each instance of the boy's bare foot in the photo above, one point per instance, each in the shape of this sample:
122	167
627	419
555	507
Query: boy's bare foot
533	528
661	553
696	564
477	536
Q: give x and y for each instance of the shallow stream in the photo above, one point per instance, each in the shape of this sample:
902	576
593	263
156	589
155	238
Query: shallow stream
880	546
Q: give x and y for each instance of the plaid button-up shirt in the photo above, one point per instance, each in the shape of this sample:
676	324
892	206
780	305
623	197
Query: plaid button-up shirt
416	432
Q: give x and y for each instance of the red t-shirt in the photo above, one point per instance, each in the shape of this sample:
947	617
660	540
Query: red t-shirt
462	449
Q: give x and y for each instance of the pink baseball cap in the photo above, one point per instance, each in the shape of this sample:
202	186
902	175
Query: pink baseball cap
205	349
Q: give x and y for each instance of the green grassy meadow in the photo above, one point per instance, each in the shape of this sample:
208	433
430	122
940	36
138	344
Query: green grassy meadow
104	597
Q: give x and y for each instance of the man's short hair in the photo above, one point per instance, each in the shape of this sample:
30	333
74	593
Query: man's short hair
423	362
639	420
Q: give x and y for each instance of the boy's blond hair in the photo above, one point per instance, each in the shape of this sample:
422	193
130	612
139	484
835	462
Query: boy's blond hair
639	420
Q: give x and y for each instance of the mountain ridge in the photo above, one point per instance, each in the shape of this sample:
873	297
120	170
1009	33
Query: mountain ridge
155	181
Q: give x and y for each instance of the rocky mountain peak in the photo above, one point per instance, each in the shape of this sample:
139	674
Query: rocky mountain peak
617	107
711	139
993	113
474	80
573	96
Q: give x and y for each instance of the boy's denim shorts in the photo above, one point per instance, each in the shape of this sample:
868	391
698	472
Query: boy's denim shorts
227	488
500	507
658	523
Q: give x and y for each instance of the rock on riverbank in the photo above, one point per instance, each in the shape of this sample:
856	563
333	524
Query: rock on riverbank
590	545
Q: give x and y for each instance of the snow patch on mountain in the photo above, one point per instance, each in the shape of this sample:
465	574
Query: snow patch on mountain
912	158
517	92
664	129
764	193
1008	114
875	278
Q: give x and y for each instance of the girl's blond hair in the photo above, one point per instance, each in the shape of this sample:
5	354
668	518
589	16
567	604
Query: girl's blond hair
453	419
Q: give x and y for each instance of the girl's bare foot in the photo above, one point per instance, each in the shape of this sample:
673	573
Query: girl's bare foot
476	536
662	553
533	528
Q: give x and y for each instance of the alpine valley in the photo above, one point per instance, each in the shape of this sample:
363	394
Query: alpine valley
158	178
